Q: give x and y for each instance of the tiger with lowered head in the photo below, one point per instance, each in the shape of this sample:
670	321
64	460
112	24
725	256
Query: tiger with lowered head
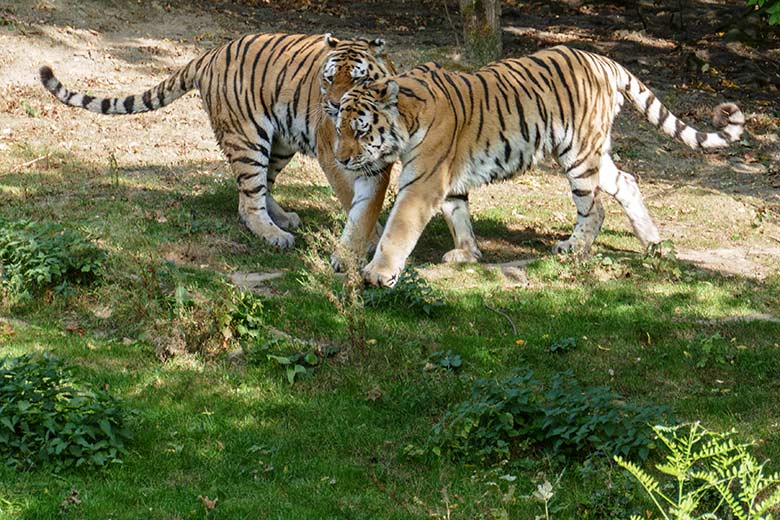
455	131
265	95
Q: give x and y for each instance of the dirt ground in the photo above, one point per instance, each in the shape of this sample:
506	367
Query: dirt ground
722	210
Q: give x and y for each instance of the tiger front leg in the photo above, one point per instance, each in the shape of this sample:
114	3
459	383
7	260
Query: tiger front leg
361	198
414	207
362	231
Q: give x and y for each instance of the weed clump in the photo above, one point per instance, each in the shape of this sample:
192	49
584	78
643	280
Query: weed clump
47	417
411	292
518	412
346	295
35	256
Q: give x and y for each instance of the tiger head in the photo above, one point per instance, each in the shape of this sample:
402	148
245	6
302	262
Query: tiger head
368	133
350	63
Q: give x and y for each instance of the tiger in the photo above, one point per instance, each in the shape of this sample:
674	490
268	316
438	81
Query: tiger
265	95
454	131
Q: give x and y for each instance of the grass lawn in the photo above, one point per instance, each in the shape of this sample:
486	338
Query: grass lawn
332	445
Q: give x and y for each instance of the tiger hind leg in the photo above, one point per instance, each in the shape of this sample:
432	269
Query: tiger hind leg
250	166
584	181
623	187
455	210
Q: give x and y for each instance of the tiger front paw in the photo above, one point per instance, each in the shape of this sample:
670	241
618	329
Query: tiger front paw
378	277
336	263
462	256
564	246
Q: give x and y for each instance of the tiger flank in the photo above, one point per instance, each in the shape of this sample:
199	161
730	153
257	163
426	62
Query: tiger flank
264	95
456	131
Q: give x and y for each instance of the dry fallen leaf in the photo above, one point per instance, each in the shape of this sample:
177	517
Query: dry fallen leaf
71	500
208	504
374	394
6	330
74	327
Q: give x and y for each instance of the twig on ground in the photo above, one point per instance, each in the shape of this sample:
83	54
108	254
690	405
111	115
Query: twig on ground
501	313
28	163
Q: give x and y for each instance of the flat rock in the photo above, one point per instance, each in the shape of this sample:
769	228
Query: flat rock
253	281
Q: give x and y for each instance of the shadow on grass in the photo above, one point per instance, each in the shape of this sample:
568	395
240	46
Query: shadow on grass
244	432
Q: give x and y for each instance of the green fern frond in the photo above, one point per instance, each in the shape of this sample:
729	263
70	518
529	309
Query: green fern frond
770	502
648	482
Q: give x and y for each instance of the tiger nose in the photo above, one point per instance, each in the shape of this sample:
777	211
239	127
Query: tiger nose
343	162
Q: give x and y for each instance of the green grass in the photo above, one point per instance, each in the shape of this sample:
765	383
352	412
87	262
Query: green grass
330	446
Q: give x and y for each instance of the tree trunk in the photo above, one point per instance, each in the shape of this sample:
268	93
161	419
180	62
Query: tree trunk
482	30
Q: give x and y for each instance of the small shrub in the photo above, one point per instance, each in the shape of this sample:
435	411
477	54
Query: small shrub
595	419
714	348
771	7
36	255
243	319
711	477
297	364
46	417
298	358
661	259
447	361
563	345
410	292
517	413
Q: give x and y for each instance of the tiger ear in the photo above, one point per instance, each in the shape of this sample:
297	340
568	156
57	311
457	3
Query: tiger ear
377	46
331	41
389	93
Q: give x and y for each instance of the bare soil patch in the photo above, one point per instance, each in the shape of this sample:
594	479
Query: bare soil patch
721	209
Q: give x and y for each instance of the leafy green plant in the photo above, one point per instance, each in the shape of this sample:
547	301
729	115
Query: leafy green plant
710	476
410	292
444	361
563	345
661	258
516	413
298	358
770	7
47	417
297	364
243	319
712	348
30	110
36	255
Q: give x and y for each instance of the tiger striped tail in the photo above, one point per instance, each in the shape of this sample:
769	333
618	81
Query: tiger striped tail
159	96
727	117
